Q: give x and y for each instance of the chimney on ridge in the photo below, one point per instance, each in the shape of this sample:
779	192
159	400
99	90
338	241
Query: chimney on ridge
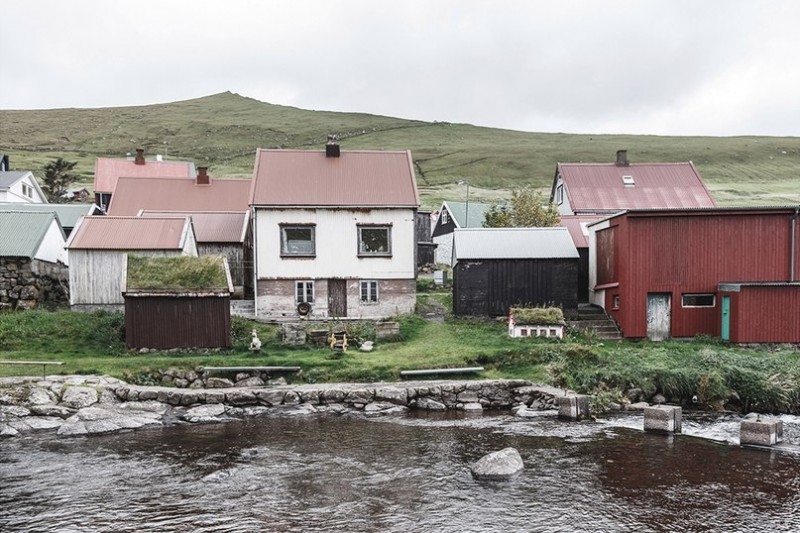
139	159
332	148
202	176
622	158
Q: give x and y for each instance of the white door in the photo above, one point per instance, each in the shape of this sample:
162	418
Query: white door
658	316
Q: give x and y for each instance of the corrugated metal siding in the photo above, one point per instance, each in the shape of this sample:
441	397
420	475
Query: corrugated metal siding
692	253
765	314
130	233
216	227
178	194
513	243
491	287
656	185
356	178
170	322
107	171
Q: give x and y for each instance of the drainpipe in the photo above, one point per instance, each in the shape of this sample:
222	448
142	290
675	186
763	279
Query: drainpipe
255	263
794	244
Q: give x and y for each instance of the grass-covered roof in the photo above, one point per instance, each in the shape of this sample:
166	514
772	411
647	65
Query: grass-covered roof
179	273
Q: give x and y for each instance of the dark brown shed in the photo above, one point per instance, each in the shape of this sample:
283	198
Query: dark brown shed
177	302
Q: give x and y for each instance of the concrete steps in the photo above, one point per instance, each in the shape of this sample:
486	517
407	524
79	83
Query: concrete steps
593	319
245	308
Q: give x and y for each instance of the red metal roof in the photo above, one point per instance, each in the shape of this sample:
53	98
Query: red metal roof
108	171
223	226
576	224
178	194
130	233
355	178
600	187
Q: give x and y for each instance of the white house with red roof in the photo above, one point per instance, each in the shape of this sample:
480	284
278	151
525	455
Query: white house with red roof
334	233
604	188
107	171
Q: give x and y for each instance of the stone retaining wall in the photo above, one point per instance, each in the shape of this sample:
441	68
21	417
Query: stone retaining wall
83	405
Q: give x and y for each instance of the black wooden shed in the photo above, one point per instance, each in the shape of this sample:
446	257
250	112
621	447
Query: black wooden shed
499	268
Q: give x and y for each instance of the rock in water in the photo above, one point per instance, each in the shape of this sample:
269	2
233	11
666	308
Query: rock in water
498	465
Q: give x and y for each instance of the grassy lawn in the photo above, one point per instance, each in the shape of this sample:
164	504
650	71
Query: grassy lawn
765	378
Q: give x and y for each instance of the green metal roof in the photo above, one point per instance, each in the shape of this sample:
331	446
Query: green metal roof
476	213
68	214
21	233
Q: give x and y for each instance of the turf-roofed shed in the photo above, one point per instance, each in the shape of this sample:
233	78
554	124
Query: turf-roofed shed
177	302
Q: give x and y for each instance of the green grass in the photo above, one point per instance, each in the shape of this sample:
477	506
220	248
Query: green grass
223	131
766	378
177	273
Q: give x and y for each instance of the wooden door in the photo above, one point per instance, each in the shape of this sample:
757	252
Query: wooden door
337	297
659	316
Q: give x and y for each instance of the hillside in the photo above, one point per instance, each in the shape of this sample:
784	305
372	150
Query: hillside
223	131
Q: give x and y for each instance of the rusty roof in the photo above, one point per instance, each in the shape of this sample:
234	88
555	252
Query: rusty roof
218	226
357	178
130	233
576	224
609	187
178	194
107	171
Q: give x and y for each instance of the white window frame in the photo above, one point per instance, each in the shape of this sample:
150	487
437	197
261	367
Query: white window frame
285	252
27	190
445	216
384	253
304	291
372	291
560	194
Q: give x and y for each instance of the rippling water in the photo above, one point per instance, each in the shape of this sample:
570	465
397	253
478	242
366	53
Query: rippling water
407	473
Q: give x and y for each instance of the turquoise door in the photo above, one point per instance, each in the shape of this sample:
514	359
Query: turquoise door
726	318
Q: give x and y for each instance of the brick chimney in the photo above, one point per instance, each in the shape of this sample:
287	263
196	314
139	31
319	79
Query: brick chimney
332	147
139	159
202	176
622	158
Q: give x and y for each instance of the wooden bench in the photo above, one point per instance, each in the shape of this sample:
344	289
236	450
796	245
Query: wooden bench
251	369
434	371
43	363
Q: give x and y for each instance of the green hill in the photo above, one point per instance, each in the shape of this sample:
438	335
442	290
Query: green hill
222	131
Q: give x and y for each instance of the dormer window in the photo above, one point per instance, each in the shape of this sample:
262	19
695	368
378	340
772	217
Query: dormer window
628	181
27	190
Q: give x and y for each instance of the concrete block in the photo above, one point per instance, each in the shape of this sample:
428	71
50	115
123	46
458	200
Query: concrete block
663	418
573	407
766	431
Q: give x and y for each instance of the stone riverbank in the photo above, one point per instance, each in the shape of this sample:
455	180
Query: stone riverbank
89	405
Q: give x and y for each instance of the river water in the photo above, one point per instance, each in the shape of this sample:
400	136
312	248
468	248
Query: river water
407	473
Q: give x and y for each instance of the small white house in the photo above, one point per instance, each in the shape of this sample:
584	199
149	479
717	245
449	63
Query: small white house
19	186
99	247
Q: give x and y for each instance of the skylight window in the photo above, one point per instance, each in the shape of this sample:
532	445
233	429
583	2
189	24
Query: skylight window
628	181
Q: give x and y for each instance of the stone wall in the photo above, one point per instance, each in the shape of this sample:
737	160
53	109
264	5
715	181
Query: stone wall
87	405
26	283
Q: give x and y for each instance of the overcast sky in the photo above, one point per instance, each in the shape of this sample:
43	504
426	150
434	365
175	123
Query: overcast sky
671	67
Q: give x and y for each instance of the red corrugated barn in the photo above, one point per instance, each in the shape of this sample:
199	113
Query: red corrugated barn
730	273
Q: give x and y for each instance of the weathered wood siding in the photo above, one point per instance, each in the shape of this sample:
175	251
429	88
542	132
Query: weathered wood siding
235	255
167	322
95	276
492	286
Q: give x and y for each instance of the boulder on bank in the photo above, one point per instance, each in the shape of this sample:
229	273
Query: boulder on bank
498	465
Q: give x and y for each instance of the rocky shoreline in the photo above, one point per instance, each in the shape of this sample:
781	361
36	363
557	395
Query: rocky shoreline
92	405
